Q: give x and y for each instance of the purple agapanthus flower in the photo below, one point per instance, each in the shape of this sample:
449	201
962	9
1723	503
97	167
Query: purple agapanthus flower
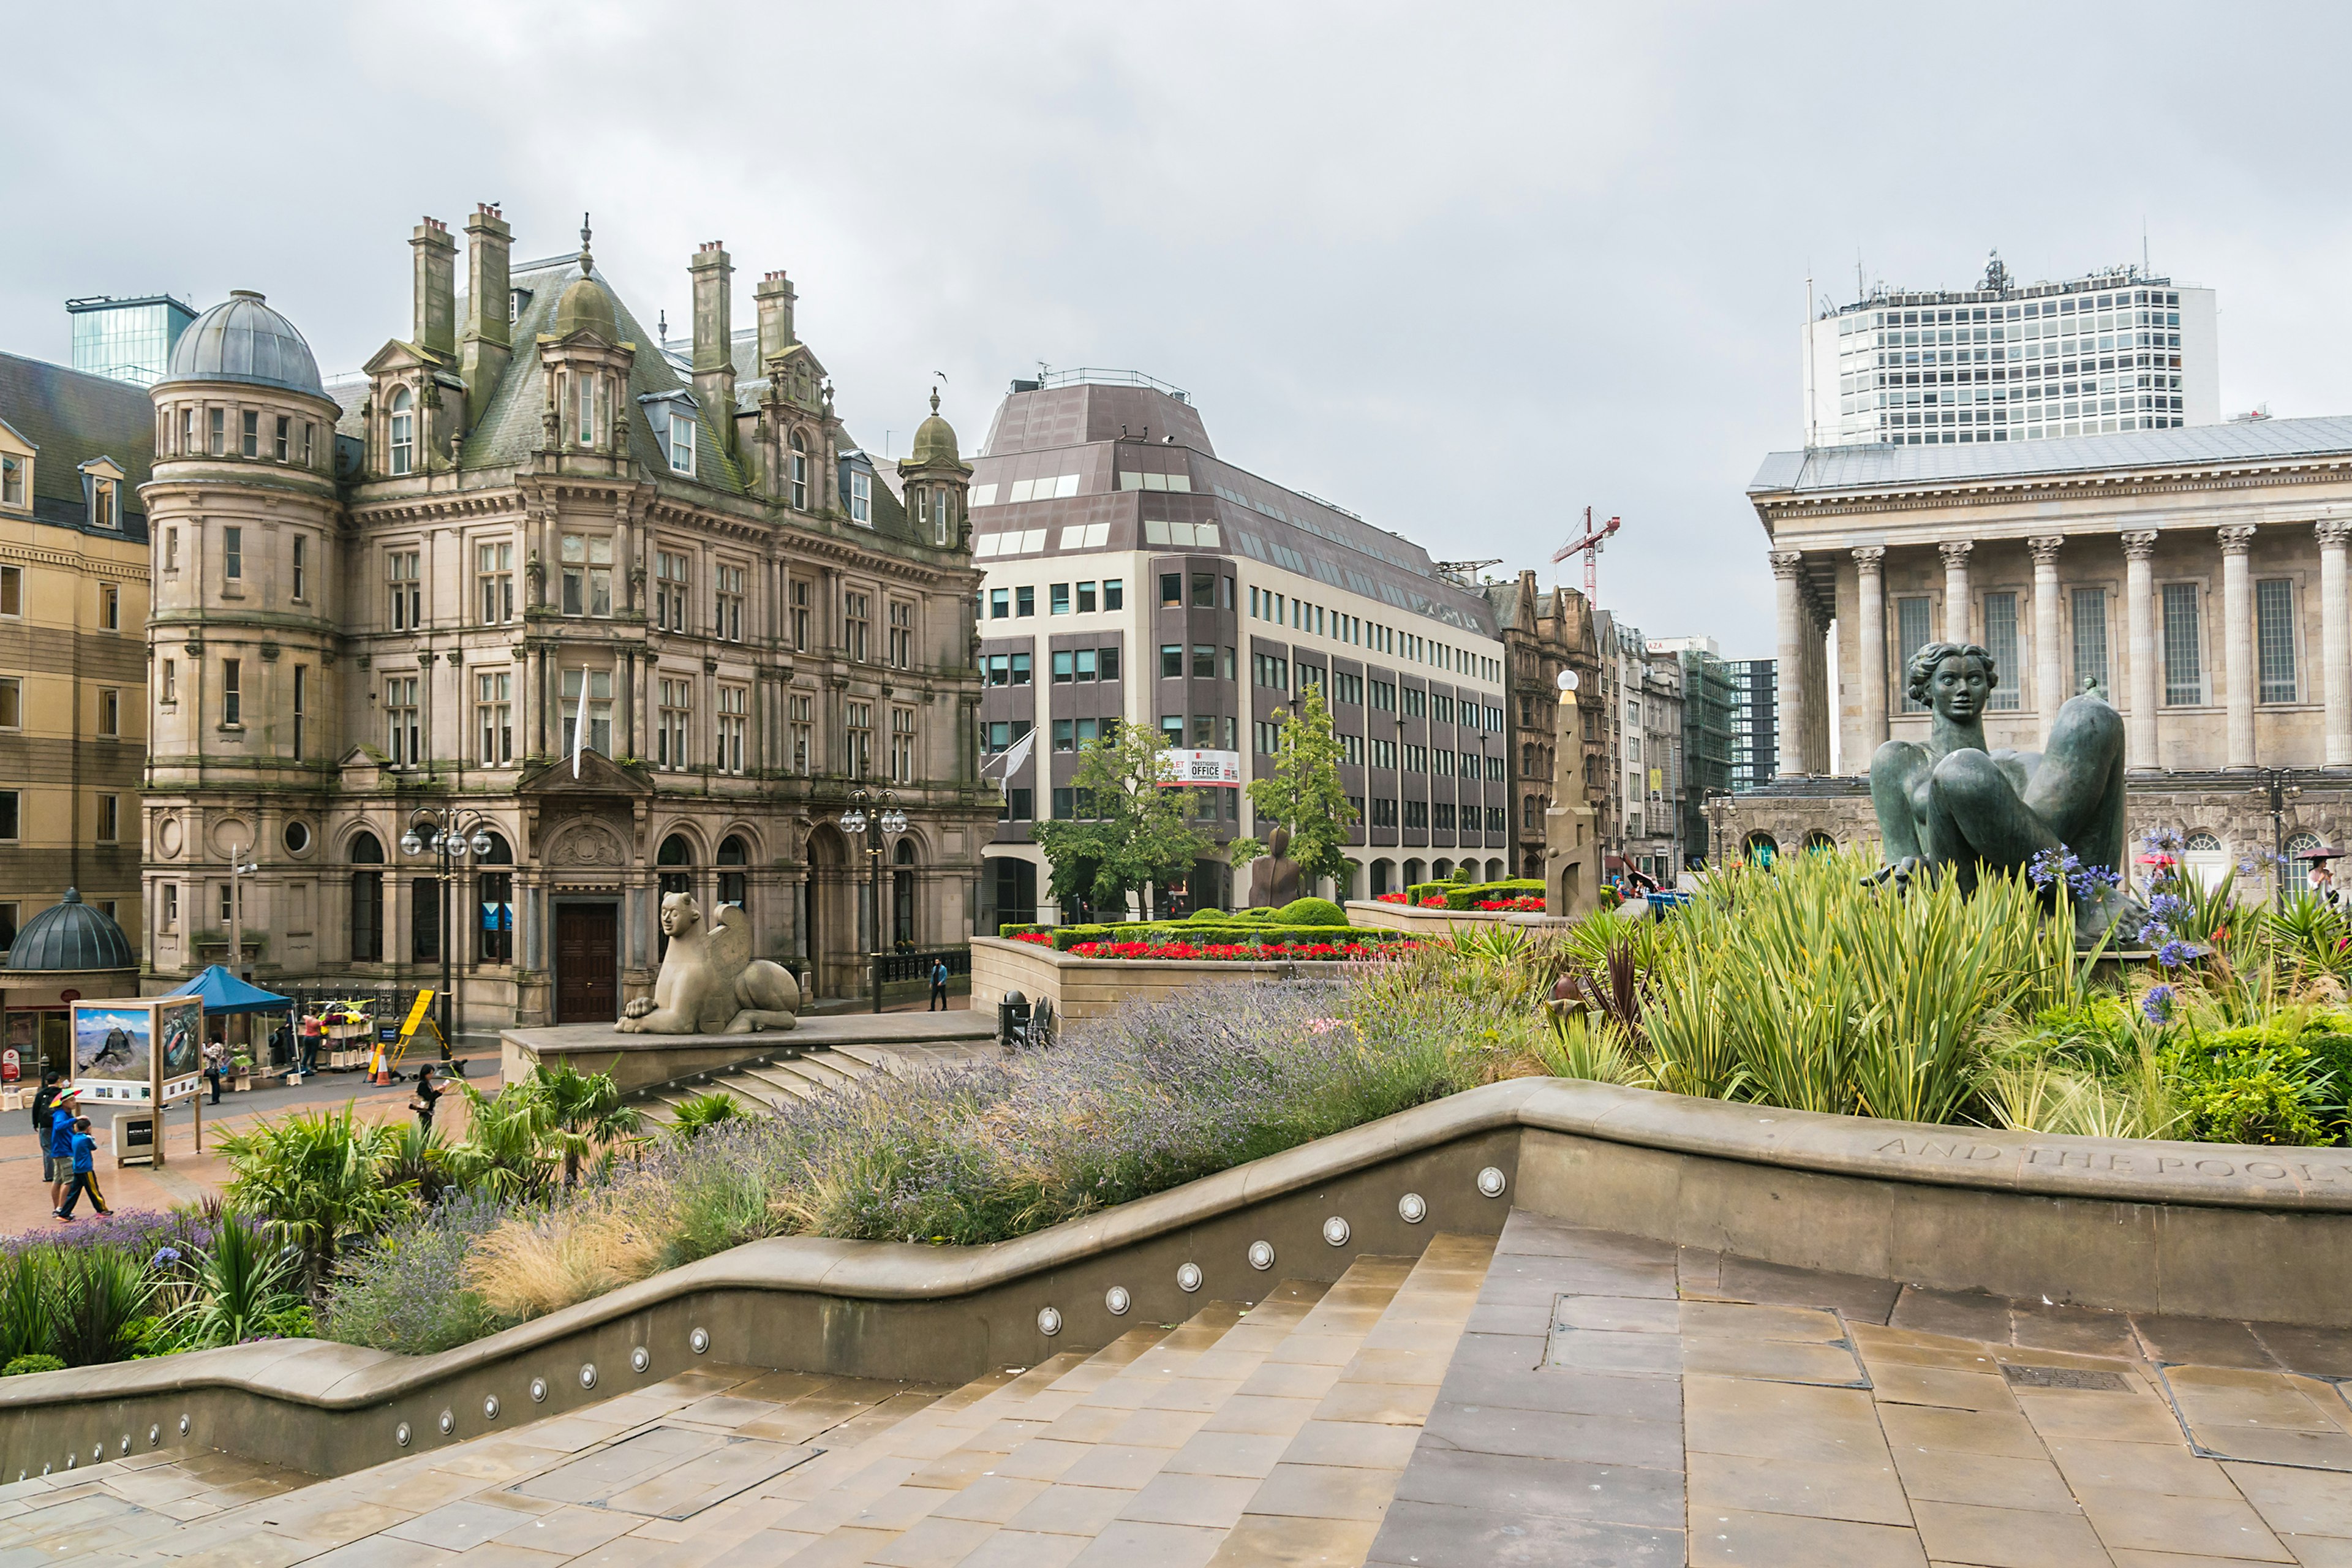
2157	1006
2175	954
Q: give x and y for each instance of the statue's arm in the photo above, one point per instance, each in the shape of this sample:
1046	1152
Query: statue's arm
1893	769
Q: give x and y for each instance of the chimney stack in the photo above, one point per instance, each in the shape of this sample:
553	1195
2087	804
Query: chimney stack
436	288
775	298
487	344
714	352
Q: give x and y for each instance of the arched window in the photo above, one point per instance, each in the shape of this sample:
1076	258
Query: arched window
494	904
404	432
733	885
2203	859
1495	870
800	473
2296	872
1762	848
367	901
1442	869
1414	872
902	895
1383	877
1818	839
675	852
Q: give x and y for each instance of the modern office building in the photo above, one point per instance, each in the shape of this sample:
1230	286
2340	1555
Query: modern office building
2111	352
630	629
74	452
1135	577
127	340
1706	732
1755	726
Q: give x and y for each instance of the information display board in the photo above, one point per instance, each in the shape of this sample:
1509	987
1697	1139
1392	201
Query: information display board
139	1050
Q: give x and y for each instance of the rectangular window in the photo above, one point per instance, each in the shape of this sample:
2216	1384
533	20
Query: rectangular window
1085	598
109	607
861	497
681	444
12	481
2000	641
170	906
1171	729
801	713
232	692
1416	815
902	635
494	583
11	819
404	731
2090	639
110	710
2274	637
1057	599
587	574
310	442
232	555
251	447
170	550
1205	590
1114	593
1912	632
800	597
1384	813
284	446
1021	670
1019	806
670	576
1171	661
1204	662
494	717
672	717
1000	603
856	614
902	745
734	704
215	436
2184	665
860	754
425	919
1024	601
110	818
301	708
1172	590
1108	659
171	683
599	683
1063	664
301	566
12	701
800	477
407	590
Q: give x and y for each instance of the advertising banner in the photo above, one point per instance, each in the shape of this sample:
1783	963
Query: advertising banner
1202	770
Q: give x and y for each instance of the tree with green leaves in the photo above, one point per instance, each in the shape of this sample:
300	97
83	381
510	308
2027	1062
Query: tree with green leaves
1304	794
1131	831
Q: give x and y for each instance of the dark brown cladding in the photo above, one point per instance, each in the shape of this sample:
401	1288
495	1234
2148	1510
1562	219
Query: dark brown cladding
1078	415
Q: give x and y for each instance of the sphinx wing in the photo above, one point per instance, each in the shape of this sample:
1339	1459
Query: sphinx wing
730	942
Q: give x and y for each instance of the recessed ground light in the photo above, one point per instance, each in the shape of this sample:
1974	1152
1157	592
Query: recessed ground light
1491	1181
1049	1322
401	1434
587	1374
1187	1278
1335	1231
1116	1299
539	1391
699	1340
491	1408
1261	1254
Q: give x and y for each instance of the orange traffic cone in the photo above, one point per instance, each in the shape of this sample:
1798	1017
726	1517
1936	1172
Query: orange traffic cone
379	1070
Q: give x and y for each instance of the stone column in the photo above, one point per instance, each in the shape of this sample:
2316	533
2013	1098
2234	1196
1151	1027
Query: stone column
1870	636
2335	641
2049	670
1956	589
2238	637
1789	672
2139	604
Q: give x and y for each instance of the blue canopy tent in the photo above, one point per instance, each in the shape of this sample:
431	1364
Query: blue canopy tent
225	993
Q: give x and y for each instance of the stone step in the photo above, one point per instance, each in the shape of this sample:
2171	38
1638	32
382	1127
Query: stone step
121	1505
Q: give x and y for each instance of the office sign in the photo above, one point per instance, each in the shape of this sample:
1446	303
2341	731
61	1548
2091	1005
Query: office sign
1202	770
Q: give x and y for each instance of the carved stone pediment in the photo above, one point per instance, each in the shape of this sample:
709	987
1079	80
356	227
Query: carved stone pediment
599	775
585	842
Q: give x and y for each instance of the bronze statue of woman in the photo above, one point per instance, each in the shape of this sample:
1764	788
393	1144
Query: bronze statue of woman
1953	801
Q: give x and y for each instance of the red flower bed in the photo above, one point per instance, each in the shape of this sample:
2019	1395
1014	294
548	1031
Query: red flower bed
1389	898
1434	901
1043	939
1231	951
1530	904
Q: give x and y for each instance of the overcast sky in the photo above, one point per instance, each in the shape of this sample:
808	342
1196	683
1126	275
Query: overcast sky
1463	269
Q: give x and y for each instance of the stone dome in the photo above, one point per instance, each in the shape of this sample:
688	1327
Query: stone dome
935	439
242	339
585	306
70	934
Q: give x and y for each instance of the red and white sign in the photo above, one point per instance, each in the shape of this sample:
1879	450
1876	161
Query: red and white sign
11	1066
1202	770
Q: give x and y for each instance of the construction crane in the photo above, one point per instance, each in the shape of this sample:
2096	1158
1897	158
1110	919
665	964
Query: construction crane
1594	538
1466	571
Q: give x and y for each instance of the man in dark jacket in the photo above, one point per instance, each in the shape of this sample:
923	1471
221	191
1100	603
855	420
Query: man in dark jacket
43	1098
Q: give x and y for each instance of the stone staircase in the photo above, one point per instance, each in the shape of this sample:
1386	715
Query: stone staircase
102	1509
769	1084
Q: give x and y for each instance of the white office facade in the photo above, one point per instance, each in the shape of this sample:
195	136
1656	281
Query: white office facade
2095	355
1132	577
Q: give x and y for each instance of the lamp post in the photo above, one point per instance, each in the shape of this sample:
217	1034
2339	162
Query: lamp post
2278	784
446	840
874	812
239	868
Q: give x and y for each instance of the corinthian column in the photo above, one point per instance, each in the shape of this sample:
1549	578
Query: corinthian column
2238	634
2049	670
2139	604
2335	641
1871	639
1956	589
1788	675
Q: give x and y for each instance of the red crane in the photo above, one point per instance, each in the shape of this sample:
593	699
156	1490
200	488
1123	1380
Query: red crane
1594	538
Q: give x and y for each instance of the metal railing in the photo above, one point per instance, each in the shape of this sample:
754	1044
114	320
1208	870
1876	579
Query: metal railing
917	965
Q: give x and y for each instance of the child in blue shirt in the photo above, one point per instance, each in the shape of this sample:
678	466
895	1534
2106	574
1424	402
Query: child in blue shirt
84	1150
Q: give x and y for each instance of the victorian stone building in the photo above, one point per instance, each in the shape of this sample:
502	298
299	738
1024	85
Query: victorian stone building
1544	634
625	623
2198	577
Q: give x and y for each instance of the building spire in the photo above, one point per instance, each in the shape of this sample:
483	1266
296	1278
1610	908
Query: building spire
586	261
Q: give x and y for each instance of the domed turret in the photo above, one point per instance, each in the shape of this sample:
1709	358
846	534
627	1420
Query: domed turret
935	439
71	935
585	306
243	340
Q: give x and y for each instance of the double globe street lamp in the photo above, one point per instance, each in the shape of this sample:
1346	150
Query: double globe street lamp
445	838
875	814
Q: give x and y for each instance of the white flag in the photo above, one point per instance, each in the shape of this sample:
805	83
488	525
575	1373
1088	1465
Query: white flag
1013	758
579	725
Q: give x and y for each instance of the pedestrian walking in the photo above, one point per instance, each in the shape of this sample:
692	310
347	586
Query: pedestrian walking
43	1099
215	1063
59	1144
309	1046
425	1095
84	1154
938	986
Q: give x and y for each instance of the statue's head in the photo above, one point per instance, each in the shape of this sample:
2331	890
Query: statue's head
1277	842
1956	680
678	915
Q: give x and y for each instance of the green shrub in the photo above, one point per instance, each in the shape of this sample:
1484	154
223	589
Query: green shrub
1259	912
700	1113
1211	916
1313	913
19	1365
1030	928
1463	875
101	1295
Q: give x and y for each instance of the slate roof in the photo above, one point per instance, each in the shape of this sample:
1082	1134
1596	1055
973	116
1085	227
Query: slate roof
2192	446
72	417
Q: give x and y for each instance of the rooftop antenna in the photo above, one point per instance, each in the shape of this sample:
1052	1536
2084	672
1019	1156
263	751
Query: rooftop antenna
1811	430
2147	269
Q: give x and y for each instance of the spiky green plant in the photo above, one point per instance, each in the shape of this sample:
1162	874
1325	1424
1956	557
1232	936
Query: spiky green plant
581	1113
319	1176
101	1294
242	1287
700	1113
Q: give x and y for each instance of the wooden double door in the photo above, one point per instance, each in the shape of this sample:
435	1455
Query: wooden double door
587	963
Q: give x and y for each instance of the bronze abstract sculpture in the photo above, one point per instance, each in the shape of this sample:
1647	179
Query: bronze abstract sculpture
1951	801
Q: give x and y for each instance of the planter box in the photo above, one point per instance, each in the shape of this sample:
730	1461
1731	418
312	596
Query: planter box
1437	923
1090	987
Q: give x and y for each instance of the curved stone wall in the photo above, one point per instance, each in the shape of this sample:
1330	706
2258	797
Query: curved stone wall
2196	1229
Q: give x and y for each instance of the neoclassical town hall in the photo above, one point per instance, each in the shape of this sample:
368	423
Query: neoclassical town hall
391	606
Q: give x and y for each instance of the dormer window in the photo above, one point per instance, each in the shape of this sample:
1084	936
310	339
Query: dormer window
861	497
799	465
12	479
584	400
101	484
681	444
404	432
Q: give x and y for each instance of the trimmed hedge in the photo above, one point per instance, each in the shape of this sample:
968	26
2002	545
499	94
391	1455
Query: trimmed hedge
1262	932
1458	896
1312	913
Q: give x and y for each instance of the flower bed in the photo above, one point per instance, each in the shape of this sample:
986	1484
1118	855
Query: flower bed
1235	952
1530	904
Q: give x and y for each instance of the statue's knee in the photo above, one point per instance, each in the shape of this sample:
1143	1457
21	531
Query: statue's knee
1966	778
2087	724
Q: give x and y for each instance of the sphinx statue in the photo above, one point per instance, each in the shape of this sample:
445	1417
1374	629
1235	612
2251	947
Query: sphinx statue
1952	801
709	983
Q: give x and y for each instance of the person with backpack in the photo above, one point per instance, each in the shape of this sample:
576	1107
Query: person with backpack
83	1150
938	986
43	1098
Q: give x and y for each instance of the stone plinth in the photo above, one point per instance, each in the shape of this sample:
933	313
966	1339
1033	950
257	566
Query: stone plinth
636	1060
